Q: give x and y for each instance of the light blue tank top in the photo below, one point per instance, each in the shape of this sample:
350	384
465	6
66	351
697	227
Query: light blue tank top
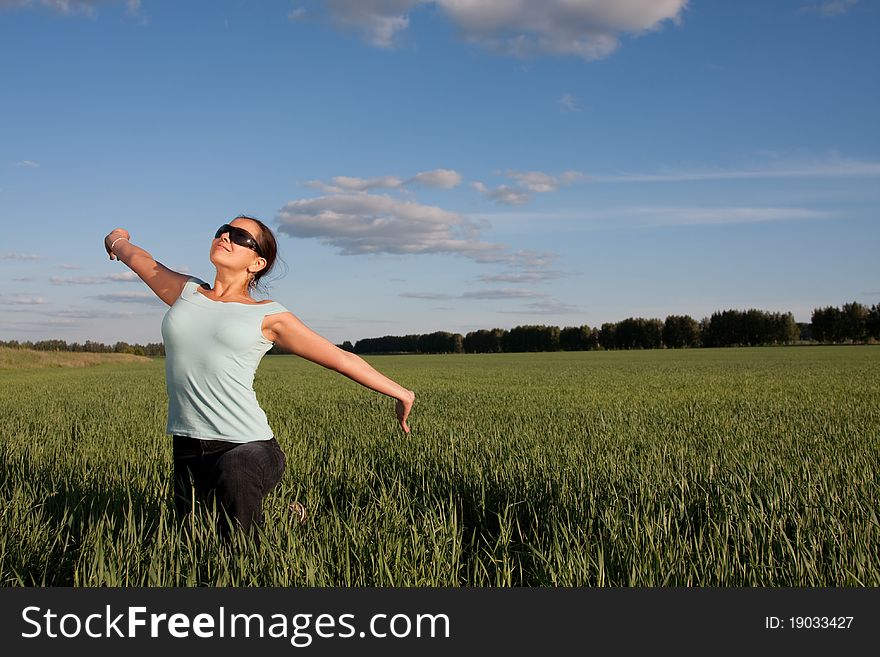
212	350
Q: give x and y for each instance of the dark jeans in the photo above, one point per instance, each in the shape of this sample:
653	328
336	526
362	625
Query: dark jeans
233	476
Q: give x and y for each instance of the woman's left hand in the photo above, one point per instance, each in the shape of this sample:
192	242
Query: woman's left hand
112	236
404	406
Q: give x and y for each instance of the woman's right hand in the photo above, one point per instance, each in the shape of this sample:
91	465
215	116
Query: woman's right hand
113	235
403	407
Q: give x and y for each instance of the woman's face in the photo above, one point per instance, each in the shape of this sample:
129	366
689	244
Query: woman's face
227	253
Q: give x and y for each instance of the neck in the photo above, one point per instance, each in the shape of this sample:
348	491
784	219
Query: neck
229	285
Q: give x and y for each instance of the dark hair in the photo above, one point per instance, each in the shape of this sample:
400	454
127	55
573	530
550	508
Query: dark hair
268	248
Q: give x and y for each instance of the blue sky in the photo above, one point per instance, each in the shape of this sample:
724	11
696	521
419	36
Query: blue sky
448	165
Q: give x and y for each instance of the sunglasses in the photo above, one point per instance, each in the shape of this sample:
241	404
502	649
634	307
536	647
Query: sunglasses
239	236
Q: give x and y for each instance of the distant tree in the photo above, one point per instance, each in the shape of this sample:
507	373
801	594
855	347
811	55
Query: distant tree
155	349
824	323
753	327
873	322
484	341
723	329
575	338
681	331
429	343
639	333
593	339
407	344
496	339
125	348
532	338
608	335
475	342
440	342
784	330
854	320
50	345
551	337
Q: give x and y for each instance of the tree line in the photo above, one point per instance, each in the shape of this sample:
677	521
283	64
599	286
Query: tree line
728	328
150	349
851	323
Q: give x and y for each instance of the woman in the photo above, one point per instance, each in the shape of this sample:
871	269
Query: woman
225	453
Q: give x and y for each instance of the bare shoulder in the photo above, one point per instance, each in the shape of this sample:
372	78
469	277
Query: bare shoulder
288	332
166	283
274	324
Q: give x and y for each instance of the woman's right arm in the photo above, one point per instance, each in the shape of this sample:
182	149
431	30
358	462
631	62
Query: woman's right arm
167	284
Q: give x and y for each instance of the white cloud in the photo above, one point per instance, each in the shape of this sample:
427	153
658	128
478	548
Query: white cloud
125	276
527	181
79	280
297	14
426	295
95	280
501	293
727	215
20	300
27	164
378	21
93	313
525	258
88	8
348	184
546	307
589	29
42	325
657	216
133	10
20	256
834	167
66	7
528	276
570	177
23	279
503	194
830	7
444	178
368	223
535	181
131	297
359	224
568	104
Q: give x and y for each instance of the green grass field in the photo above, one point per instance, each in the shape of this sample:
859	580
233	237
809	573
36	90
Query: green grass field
714	467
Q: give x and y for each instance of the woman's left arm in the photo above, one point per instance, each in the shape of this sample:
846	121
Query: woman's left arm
289	333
